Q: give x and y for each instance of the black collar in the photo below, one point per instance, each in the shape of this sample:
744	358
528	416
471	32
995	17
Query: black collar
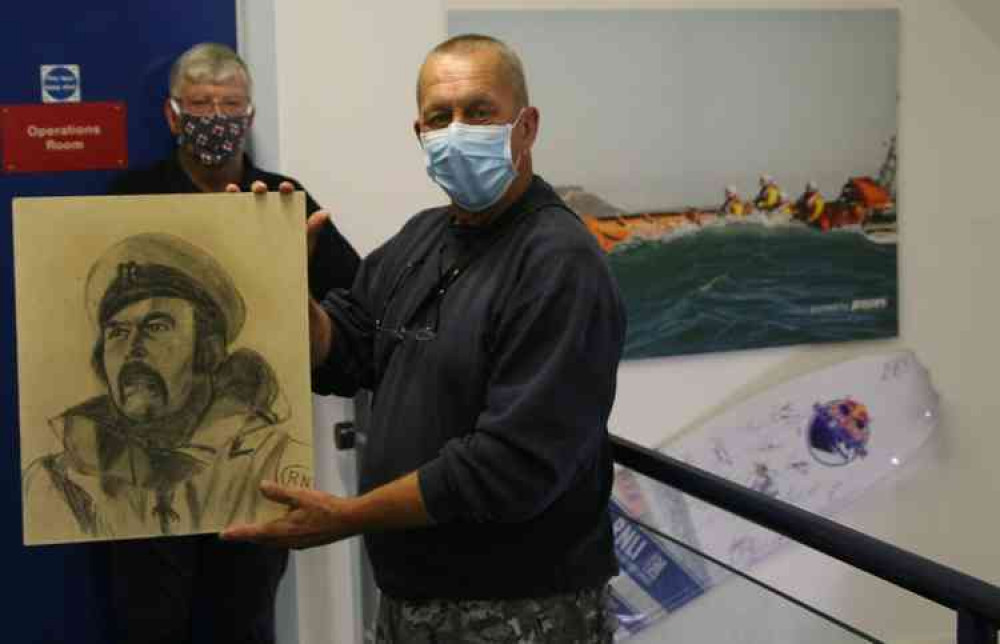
538	195
180	182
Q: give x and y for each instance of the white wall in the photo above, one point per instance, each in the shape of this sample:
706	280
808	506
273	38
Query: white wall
345	71
346	79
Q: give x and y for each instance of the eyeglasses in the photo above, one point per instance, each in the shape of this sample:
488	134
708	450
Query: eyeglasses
423	333
205	106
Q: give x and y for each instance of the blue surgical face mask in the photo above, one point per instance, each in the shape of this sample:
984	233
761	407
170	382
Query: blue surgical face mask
472	163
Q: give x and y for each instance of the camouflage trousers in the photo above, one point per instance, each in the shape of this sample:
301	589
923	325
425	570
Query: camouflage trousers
582	617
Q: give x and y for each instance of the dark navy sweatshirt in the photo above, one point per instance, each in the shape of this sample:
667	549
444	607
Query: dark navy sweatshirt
497	392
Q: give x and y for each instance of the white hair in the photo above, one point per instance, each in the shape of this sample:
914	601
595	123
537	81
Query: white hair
207	62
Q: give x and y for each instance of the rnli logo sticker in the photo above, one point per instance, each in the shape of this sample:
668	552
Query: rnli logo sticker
839	431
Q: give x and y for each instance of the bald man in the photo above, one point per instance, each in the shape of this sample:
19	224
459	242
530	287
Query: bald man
489	331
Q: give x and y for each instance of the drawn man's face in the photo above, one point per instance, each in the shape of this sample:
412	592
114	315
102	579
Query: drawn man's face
149	350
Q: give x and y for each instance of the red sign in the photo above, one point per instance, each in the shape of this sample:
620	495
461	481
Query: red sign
63	136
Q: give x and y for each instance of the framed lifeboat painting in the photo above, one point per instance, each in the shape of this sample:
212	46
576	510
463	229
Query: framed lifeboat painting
737	166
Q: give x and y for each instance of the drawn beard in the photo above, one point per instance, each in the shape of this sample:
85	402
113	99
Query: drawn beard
142	392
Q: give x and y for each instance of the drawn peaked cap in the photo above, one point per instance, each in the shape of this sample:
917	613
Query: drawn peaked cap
161	265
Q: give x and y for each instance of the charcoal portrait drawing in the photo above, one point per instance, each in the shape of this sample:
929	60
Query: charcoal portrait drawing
184	424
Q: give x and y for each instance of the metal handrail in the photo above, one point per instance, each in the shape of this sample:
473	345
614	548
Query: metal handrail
976	601
753	580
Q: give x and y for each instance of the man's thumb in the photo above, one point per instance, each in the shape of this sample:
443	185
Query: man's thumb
314	225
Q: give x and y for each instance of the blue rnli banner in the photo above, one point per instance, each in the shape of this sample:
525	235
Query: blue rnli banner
654	583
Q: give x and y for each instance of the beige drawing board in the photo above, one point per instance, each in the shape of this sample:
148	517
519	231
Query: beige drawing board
163	365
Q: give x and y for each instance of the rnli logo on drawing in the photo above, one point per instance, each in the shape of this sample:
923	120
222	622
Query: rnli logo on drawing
295	476
839	431
60	83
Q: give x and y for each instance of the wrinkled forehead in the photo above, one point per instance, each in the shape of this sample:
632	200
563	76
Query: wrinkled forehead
479	70
229	79
176	308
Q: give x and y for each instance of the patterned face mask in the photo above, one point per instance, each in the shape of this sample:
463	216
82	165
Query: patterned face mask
211	139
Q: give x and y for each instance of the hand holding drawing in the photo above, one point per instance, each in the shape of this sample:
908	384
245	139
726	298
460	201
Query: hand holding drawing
320	325
317	518
315	222
314	518
260	188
